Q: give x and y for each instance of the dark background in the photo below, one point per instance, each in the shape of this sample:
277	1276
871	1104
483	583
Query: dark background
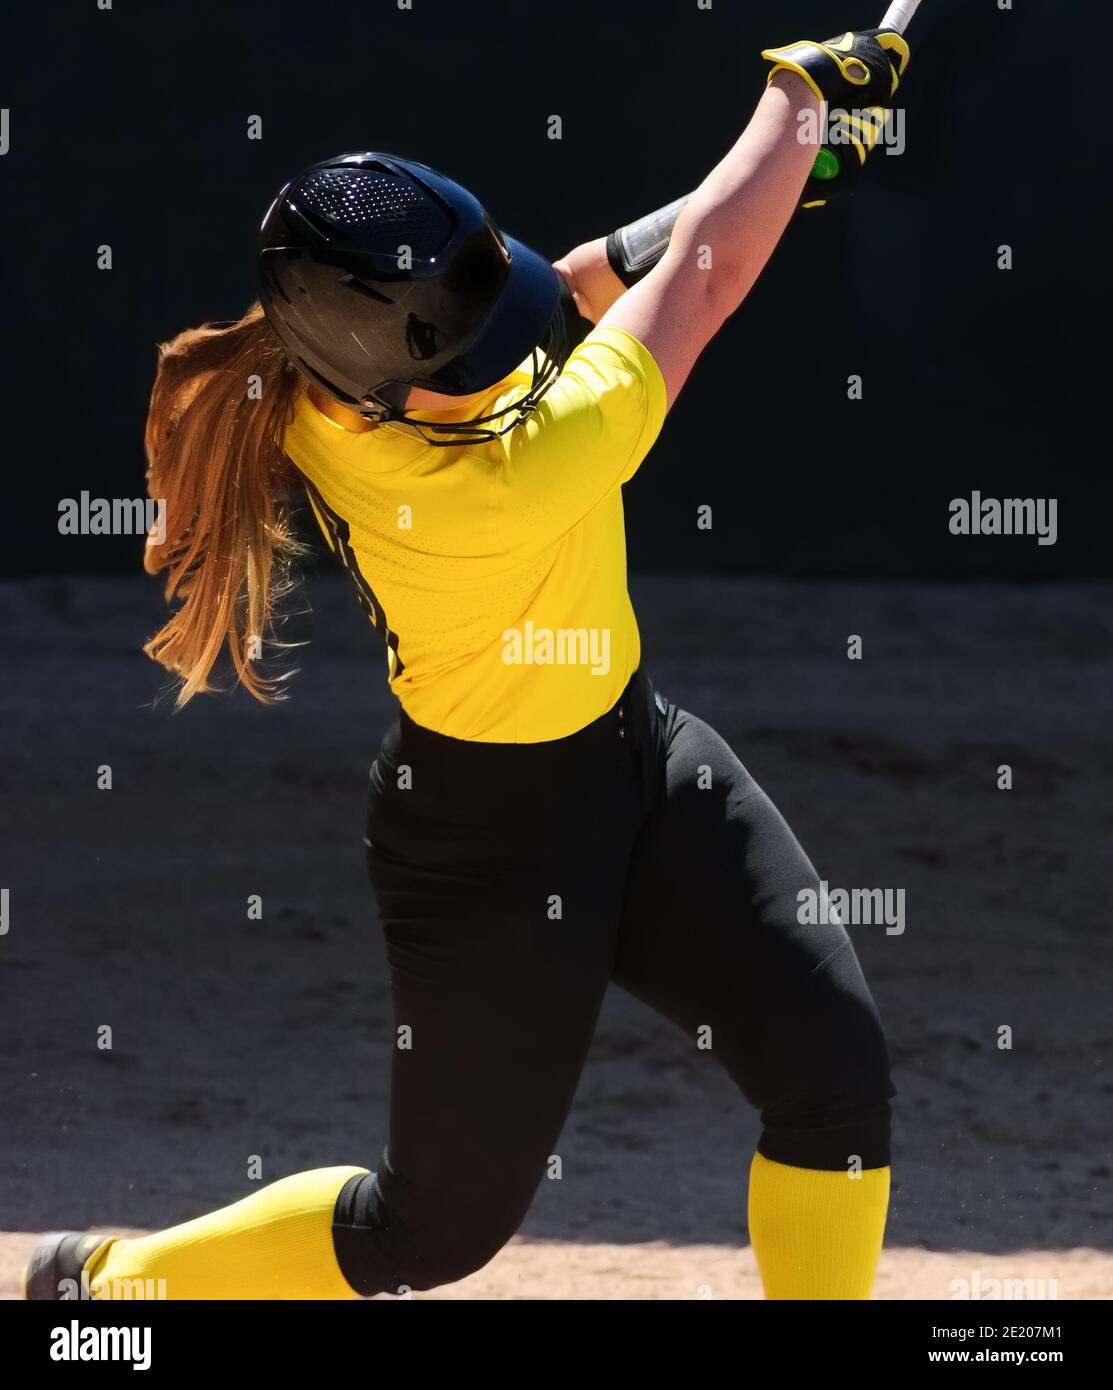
128	127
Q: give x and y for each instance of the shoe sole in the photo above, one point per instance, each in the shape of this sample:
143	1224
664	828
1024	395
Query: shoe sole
57	1258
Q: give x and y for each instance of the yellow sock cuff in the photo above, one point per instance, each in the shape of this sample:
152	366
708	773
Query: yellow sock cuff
276	1243
816	1233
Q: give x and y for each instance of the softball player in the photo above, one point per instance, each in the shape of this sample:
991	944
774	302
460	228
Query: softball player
541	821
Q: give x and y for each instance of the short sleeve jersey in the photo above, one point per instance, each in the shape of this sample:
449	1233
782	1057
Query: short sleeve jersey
495	573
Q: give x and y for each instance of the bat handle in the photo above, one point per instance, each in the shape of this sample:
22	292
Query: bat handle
899	15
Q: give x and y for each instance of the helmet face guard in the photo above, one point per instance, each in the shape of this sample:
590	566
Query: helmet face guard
379	274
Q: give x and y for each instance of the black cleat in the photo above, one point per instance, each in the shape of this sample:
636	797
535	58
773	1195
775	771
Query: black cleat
54	1270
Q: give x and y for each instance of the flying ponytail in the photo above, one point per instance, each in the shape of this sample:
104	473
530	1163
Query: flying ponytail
221	399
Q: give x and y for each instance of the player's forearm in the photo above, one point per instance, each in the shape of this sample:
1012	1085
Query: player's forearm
589	276
743	189
736	216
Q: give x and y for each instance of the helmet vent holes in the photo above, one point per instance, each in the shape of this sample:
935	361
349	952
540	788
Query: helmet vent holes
376	206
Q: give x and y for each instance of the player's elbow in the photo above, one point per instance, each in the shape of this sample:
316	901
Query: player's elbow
707	268
700	290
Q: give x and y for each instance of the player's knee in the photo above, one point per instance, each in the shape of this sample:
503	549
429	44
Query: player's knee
394	1247
834	1112
437	1261
831	1132
825	1099
426	1258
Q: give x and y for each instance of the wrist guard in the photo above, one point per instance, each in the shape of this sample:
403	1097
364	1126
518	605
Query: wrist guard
635	249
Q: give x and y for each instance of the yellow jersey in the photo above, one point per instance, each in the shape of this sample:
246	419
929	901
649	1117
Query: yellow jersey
495	572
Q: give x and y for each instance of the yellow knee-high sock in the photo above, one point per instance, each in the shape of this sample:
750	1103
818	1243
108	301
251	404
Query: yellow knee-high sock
815	1233
277	1243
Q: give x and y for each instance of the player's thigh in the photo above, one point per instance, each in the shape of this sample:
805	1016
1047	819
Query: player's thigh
500	945
712	938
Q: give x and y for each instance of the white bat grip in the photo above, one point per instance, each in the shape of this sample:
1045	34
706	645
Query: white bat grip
899	15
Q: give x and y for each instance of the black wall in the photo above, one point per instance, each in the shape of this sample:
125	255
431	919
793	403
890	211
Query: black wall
128	127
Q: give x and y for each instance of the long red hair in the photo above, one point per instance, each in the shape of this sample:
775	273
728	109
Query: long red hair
221	399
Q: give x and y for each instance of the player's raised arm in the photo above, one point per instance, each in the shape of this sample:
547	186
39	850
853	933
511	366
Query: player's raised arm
726	231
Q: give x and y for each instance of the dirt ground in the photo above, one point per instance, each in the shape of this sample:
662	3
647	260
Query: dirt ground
234	1038
561	1270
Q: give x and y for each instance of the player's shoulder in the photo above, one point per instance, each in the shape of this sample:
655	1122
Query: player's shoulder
616	349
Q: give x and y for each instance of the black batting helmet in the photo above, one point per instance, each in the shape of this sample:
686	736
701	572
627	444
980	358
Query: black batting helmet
378	273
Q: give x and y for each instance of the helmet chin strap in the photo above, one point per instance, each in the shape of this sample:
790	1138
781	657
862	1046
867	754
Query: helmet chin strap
548	360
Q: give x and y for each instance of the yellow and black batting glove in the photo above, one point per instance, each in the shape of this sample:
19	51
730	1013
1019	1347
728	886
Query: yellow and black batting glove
851	138
854	70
